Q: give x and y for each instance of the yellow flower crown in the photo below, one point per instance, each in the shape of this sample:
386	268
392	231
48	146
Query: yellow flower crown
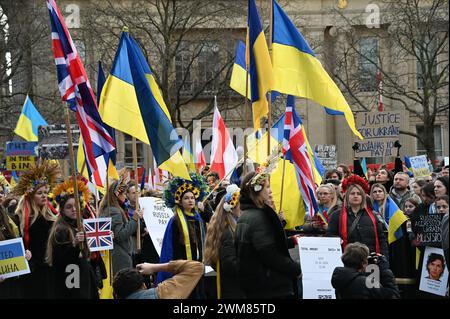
65	190
231	197
183	188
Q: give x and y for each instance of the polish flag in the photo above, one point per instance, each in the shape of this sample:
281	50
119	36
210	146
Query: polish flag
200	161
223	154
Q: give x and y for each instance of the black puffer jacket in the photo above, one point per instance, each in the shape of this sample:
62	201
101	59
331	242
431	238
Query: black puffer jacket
351	284
265	267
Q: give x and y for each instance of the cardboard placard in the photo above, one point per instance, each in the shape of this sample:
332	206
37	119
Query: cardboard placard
12	258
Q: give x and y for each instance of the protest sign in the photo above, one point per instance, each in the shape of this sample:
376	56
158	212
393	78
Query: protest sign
419	166
319	256
12	258
446	161
380	131
21	149
156	217
434	276
428	229
53	142
98	233
19	163
327	155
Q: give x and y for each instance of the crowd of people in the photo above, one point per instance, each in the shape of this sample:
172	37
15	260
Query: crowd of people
235	229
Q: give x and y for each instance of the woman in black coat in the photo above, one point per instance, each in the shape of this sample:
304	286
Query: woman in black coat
220	252
265	267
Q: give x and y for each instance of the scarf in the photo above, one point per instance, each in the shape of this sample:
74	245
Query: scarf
343	226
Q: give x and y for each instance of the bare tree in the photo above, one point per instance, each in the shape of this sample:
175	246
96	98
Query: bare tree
412	56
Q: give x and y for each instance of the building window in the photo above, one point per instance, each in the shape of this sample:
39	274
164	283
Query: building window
437	141
427	54
208	62
129	152
183	68
367	67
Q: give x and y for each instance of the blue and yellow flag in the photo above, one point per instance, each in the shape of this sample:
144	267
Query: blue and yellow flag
260	66
298	72
188	157
239	72
29	122
394	218
132	103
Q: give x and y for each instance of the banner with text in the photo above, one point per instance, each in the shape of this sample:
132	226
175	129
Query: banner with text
12	258
380	131
327	155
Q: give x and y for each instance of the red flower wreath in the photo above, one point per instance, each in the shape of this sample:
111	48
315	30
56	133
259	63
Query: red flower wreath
355	179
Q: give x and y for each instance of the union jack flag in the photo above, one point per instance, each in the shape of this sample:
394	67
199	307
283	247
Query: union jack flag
77	92
98	233
295	150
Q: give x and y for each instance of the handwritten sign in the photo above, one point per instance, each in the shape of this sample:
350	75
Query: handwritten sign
318	258
19	163
380	131
419	166
327	155
434	276
21	148
12	258
428	230
156	217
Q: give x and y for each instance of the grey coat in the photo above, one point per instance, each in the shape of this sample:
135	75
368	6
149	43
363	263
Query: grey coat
123	247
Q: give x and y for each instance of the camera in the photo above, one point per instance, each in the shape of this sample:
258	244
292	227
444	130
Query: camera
374	258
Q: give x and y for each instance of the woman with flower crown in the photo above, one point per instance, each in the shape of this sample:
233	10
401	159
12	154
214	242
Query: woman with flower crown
220	252
356	222
265	267
64	249
185	233
36	219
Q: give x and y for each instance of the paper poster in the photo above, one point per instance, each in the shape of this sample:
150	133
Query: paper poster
419	166
98	233
12	258
434	275
156	217
319	256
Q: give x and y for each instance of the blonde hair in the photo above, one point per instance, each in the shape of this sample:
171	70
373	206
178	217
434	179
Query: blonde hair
380	186
34	211
363	194
332	190
218	224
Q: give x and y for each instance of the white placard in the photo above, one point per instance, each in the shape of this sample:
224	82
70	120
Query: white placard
319	256
156	217
434	275
446	161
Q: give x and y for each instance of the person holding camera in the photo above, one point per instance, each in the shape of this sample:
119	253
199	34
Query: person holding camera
352	281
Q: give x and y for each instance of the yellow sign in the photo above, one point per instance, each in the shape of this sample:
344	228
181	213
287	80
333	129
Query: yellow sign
19	163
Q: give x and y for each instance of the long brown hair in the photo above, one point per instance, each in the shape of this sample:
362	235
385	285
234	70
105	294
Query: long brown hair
219	222
5	225
247	191
112	202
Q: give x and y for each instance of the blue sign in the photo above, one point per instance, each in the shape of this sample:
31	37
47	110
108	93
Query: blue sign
21	148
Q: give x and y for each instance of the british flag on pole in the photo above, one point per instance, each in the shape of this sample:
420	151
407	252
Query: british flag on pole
98	233
77	92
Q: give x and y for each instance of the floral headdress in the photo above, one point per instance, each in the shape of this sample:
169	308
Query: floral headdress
355	179
37	176
65	190
264	170
177	186
4	181
231	197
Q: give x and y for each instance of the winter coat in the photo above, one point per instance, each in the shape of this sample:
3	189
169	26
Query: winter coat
363	232
401	199
349	283
123	229
265	267
229	281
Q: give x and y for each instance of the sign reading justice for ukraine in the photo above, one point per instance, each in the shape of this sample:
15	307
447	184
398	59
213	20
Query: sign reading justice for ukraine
12	258
380	131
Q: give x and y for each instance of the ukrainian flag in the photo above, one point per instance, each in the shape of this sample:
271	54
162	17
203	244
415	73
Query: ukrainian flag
188	157
239	72
132	103
260	68
394	218
298	72
29	121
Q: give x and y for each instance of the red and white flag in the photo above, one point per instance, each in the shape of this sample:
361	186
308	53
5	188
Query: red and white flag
157	177
223	154
200	161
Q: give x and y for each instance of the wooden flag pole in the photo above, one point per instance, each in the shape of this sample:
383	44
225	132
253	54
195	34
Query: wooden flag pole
269	115
74	173
138	231
108	202
282	184
247	43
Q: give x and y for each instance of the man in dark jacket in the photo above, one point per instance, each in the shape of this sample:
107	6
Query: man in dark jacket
352	281
265	267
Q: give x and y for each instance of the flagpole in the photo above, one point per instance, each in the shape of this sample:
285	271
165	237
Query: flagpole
108	201
269	117
282	184
138	231
74	173
247	48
